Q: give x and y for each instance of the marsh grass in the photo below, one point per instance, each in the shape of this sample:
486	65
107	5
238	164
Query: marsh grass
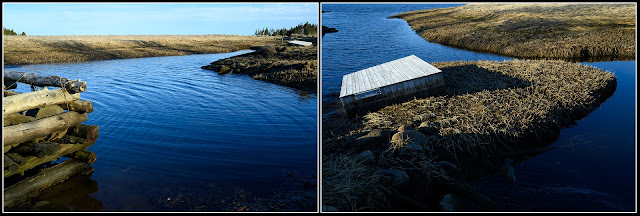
577	32
64	49
489	108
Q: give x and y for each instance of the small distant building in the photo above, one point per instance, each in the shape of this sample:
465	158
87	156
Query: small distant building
299	43
392	82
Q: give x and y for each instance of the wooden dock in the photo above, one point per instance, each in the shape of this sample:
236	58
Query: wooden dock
37	130
390	82
299	43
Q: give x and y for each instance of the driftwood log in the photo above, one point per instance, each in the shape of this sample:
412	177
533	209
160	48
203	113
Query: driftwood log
16	157
33	161
9	164
24	132
10	93
10	85
68	139
47	177
88	132
80	106
84	156
30	151
35	99
73	86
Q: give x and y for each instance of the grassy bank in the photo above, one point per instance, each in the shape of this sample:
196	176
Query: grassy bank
576	32
492	115
290	66
64	49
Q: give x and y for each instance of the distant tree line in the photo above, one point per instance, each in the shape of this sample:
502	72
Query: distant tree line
11	32
301	29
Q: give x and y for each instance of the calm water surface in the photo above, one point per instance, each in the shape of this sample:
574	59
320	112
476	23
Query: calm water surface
598	174
166	125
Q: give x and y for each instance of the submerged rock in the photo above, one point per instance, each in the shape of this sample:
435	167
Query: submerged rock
450	203
326	208
507	171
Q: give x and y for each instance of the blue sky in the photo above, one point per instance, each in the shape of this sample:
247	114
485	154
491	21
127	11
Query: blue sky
153	18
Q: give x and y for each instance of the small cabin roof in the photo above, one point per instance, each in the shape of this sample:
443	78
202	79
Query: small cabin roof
300	43
396	71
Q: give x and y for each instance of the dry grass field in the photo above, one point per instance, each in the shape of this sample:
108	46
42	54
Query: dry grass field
490	110
575	32
64	49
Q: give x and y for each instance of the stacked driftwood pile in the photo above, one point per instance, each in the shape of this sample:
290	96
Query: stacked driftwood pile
41	126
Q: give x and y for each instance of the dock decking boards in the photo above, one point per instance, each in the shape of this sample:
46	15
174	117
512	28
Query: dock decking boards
300	43
400	78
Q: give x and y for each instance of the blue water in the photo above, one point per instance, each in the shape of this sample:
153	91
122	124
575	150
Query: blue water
366	38
166	123
598	174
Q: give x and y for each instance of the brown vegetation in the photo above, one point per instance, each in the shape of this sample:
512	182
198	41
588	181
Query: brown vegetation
64	49
291	66
558	31
491	111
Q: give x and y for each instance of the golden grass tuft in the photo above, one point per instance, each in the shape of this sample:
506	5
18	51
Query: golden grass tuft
557	31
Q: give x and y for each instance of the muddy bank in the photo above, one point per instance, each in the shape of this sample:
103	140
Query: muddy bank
65	49
575	32
421	154
291	66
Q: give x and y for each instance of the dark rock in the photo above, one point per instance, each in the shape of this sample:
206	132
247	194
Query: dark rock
405	128
399	178
366	156
326	208
429	128
373	139
449	168
410	137
450	203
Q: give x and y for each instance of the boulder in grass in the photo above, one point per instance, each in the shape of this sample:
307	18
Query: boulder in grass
405	128
366	156
429	128
398	178
408	137
373	139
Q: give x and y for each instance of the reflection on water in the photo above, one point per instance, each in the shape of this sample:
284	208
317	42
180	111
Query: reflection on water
596	175
74	194
165	122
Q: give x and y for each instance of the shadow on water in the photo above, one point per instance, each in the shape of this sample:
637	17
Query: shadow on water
74	194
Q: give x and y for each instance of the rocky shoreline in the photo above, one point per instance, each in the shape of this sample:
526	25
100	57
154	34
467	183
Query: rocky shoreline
291	66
